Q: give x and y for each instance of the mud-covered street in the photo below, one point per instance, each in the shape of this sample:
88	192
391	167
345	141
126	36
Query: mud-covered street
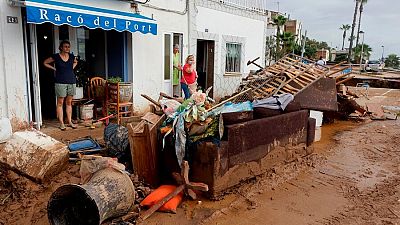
351	178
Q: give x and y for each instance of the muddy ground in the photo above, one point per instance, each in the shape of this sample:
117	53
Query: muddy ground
352	177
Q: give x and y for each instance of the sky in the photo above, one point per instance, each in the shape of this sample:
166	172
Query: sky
322	19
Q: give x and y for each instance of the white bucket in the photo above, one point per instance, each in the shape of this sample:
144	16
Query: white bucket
86	112
78	93
5	129
317	115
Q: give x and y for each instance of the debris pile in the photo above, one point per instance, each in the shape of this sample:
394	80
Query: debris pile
215	138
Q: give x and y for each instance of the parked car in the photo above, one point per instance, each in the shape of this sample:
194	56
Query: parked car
374	65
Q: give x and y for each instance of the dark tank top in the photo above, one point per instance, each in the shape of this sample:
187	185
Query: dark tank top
64	70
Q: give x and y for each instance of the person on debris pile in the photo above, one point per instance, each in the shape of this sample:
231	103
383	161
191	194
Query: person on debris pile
63	64
177	68
189	78
321	62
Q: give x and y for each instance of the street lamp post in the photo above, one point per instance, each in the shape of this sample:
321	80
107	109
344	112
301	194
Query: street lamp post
362	50
383	51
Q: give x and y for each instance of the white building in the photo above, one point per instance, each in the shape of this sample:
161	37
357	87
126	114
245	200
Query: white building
132	40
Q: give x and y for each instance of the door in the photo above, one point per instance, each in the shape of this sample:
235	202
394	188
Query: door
177	59
167	63
35	83
205	64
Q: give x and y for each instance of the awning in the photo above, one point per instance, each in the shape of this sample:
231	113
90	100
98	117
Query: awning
58	13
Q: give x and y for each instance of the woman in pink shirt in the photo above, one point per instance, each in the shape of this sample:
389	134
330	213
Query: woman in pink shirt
189	77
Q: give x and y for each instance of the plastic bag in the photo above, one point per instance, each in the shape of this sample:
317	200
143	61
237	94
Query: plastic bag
91	164
169	106
237	107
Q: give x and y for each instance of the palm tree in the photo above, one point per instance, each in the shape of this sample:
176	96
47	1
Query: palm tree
352	28
279	21
363	2
288	41
392	61
366	52
344	28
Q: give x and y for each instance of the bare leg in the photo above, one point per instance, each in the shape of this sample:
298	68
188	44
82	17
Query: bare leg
68	102
60	116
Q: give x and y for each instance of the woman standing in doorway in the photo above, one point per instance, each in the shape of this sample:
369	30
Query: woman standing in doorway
63	64
189	78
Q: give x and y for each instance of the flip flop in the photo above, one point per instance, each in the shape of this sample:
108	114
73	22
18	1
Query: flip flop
62	127
73	126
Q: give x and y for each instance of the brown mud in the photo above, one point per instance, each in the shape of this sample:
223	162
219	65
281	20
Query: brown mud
351	178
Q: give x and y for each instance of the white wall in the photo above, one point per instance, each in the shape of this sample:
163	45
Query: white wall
148	70
223	23
13	91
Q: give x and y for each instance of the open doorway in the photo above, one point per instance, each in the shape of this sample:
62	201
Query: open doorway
102	52
45	43
205	64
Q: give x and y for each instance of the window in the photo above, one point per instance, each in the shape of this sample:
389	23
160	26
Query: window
233	54
82	37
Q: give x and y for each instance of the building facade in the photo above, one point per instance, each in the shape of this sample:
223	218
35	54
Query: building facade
123	39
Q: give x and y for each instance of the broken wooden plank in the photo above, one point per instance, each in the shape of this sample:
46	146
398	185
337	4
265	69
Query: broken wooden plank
345	80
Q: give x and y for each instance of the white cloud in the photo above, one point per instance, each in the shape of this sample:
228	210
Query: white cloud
322	19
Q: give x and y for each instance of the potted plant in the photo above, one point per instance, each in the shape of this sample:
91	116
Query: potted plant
82	78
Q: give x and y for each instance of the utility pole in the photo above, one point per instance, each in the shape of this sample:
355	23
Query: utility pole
304	44
362	50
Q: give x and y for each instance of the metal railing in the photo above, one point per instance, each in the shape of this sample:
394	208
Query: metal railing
259	6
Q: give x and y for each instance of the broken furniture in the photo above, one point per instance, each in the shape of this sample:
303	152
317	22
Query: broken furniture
97	92
145	147
184	185
242	155
109	193
291	74
35	155
119	99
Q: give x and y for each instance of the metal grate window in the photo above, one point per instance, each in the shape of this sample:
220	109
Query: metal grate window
233	54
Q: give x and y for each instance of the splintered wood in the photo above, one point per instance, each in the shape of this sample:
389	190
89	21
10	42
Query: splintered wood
341	73
291	74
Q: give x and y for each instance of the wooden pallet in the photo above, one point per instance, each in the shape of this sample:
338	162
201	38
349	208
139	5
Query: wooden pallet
291	74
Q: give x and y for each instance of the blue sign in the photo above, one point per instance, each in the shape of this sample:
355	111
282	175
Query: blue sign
58	13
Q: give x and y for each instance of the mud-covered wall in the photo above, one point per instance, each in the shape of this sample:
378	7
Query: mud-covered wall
13	82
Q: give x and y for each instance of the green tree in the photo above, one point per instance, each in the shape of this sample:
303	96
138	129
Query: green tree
311	48
288	42
366	52
352	28
340	58
392	61
270	46
362	3
344	28
278	21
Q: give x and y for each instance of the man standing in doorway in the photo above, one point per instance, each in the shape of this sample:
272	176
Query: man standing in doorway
177	70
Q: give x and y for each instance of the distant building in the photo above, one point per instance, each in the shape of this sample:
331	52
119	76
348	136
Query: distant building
337	53
295	27
324	53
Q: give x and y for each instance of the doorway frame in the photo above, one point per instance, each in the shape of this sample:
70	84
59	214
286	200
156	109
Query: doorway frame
209	37
167	83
